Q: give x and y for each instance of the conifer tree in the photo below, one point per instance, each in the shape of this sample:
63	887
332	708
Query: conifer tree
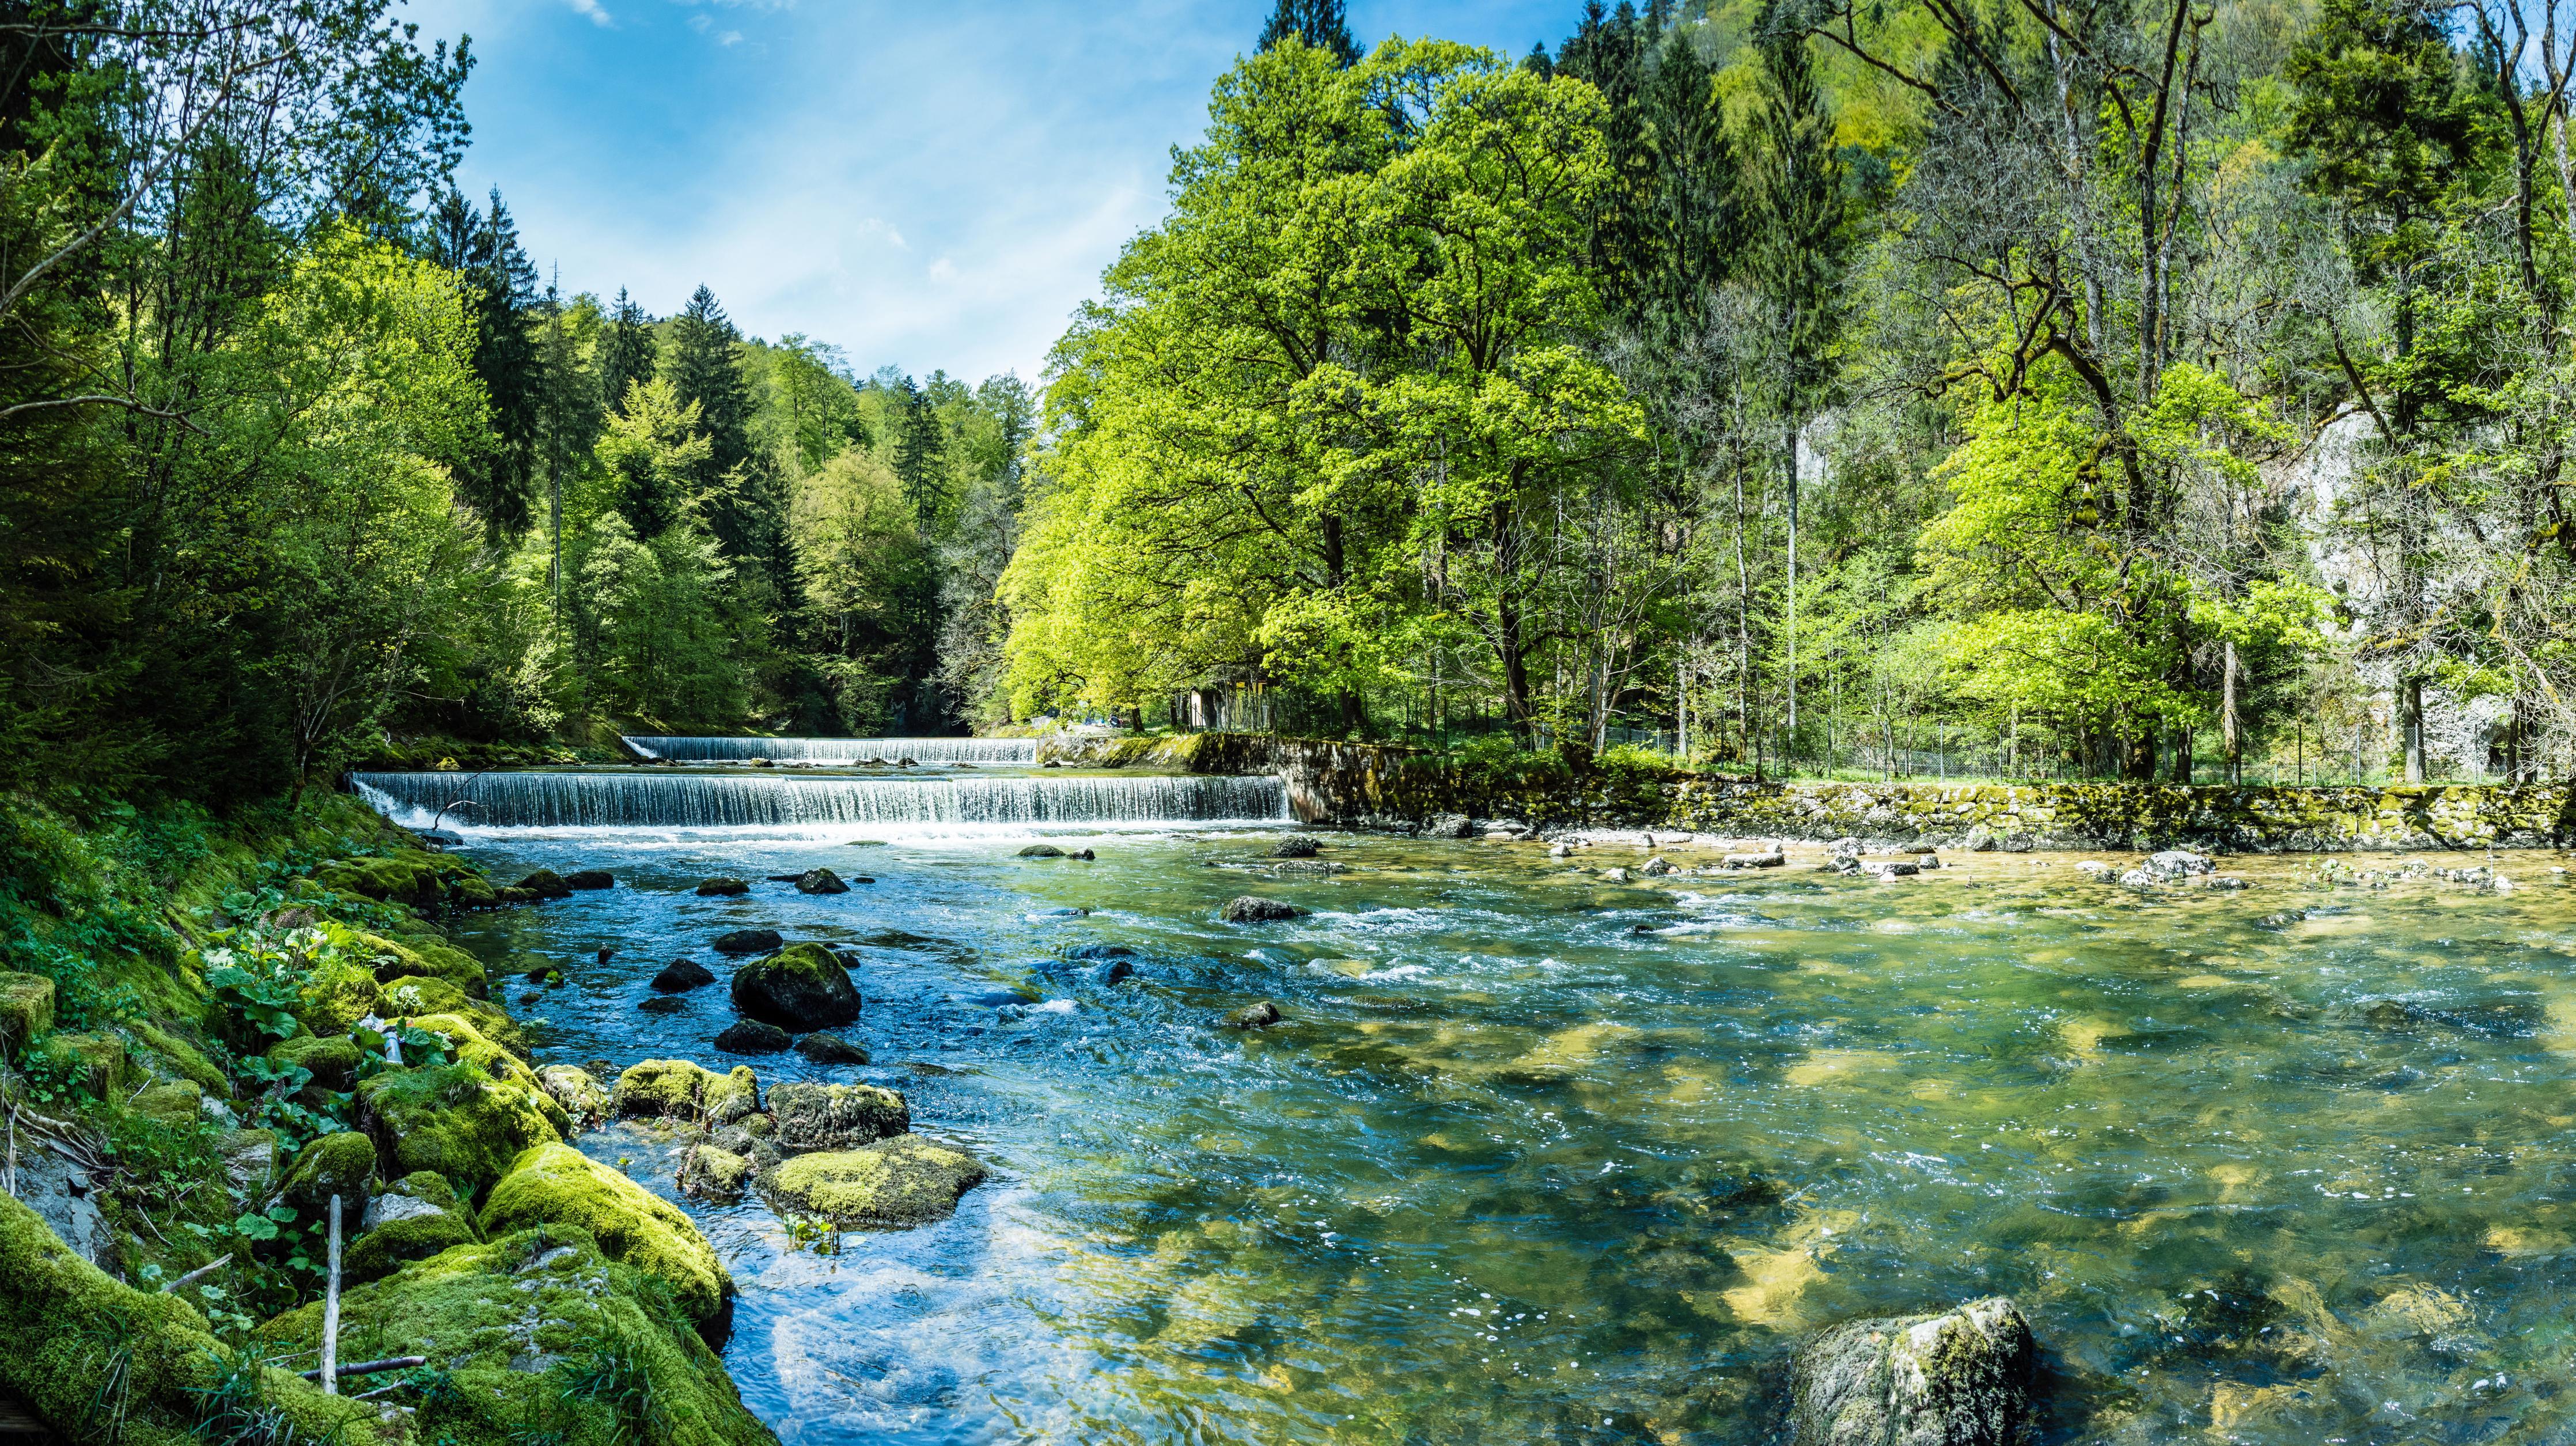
483	248
627	350
921	457
1319	23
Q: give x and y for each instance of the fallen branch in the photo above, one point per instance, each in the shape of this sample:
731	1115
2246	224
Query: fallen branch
371	1368
211	1266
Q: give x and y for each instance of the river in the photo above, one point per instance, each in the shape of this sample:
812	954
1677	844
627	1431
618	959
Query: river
1538	1156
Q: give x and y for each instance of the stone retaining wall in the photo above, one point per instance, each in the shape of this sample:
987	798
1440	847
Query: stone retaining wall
1363	785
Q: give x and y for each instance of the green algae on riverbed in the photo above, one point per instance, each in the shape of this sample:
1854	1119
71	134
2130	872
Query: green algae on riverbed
1537	1156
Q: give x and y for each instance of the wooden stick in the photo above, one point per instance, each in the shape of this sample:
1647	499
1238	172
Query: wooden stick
211	1266
369	1368
331	1310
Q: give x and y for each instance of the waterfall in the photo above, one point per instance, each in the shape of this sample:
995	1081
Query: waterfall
696	800
838	750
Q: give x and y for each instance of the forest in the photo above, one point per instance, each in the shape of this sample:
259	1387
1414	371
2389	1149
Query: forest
2129	389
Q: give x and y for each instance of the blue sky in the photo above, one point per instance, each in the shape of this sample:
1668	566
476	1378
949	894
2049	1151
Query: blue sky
919	184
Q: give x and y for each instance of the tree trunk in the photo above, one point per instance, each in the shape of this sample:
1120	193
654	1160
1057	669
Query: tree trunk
2230	739
2410	722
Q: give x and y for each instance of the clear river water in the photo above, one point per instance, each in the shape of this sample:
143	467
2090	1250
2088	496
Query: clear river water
1535	1156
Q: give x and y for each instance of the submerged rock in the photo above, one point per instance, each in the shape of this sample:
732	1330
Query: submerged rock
1249	909
820	881
1295	846
904	1181
556	1185
1261	1014
748	941
1100	951
718	888
835	1117
1959	1378
590	879
663	1004
1041	851
831	1049
682	975
801	987
752	1036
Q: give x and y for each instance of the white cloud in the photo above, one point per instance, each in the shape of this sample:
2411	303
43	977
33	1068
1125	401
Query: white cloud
597	12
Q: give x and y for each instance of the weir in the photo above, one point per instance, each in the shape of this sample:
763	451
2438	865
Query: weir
836	750
601	800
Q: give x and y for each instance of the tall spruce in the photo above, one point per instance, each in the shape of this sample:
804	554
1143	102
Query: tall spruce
1319	23
483	248
921	457
627	350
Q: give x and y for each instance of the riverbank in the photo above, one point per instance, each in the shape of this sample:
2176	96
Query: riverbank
1374	786
214	1031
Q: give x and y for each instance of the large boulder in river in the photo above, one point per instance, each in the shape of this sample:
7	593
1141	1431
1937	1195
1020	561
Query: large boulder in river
1250	909
1958	1378
801	987
682	975
835	1117
896	1183
545	884
748	941
820	881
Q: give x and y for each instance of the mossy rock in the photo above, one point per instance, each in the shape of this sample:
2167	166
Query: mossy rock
175	1104
26	1010
471	891
545	884
97	1060
331	1059
344	1165
896	1183
336	995
513	1319
680	1089
411	1219
801	987
559	1185
427	959
836	1116
250	1161
583	1098
183	1058
467	1119
709	1173
409	877
67	1321
417	998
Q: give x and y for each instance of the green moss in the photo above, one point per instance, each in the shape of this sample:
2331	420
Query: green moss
543	1339
678	1089
183	1058
336	995
582	1097
97	1360
836	1117
407	877
427	958
801	987
899	1182
343	1164
331	1059
26	1010
98	1060
174	1104
396	1243
467	1119
559	1185
423	998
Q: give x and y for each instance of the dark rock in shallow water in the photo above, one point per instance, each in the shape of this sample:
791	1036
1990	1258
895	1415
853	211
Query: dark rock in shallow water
682	975
831	1049
663	1004
719	888
545	884
1100	951
590	879
751	1036
1259	1015
1041	851
996	998
801	987
820	881
1449	825
1115	970
748	941
442	838
1251	910
1295	846
1960	1378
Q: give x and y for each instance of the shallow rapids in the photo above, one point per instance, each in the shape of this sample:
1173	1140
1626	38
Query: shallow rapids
1539	1157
